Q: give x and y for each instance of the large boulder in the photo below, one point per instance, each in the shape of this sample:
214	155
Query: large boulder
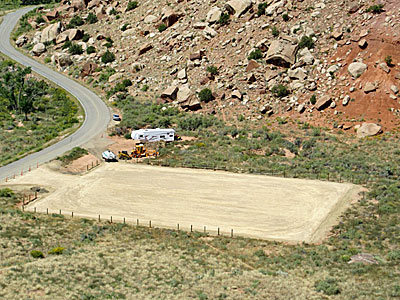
62	59
184	93
21	41
356	69
273	8
88	69
213	15
50	33
150	19
281	53
170	93
170	17
61	38
368	129
298	73
74	34
39	49
323	102
238	7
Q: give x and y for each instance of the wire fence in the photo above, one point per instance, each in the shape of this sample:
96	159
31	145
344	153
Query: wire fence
204	230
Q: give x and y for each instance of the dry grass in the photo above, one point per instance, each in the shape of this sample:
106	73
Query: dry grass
118	261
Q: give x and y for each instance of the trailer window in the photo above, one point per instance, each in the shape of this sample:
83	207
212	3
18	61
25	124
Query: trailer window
162	136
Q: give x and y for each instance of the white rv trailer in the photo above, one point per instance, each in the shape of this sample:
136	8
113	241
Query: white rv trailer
154	135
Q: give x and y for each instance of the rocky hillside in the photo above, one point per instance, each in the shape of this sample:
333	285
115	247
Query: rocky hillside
329	63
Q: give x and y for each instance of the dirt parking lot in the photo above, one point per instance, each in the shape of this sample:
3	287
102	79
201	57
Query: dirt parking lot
252	205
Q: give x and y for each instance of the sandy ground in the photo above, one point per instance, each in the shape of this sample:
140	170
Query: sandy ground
255	206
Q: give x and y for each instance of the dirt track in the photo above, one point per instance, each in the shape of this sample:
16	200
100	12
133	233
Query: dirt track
251	205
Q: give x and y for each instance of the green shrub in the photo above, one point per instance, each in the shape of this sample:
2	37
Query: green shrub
47	60
66	45
389	61
107	57
132	5
162	27
275	31
40	19
328	286
212	70
127	82
75	22
124	27
113	12
306	42
145	88
90	50
92	18
376	9
313	99
285	17
6	193
280	91
86	37
224	19
255	54
56	251
109	43
206	95
37	254
261	8
75	49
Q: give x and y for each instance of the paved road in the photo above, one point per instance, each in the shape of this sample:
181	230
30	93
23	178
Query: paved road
97	113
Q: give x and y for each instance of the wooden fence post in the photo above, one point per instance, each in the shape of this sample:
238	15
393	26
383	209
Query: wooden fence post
124	220
137	222
191	228
72	214
218	230
150	224
231	233
99	218
47	211
111	219
34	210
205	229
178	226
60	211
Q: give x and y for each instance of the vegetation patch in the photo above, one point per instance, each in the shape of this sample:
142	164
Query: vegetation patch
72	155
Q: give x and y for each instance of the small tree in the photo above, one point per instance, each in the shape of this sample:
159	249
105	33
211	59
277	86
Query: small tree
212	70
92	18
255	54
306	42
90	50
389	61
132	5
75	22
313	99
285	17
107	57
224	19
280	91
261	8
162	27
37	254
275	31
375	9
75	49
206	95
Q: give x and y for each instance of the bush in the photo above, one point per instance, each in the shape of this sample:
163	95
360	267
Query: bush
127	82
206	95
389	61
108	57
109	43
285	17
90	50
132	5
75	21
275	31
40	19
56	251
375	9
306	42
162	27
313	99
124	27
92	18
145	88
37	254
224	19
47	60
86	37
255	54
75	49
328	286
280	90
6	193
261	8
212	70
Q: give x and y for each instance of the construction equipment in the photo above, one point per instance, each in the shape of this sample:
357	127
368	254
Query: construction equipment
124	155
141	151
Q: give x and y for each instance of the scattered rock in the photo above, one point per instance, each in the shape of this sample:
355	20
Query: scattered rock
170	17
38	49
337	34
62	59
50	33
363	44
252	65
364	258
213	15
88	69
281	53
238	7
21	41
370	87
346	100
301	108
150	19
356	69
384	67
323	102
184	93
145	48
368	129
170	93
236	94
298	73
209	32
394	89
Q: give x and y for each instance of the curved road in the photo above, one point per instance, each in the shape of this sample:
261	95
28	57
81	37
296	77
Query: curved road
97	113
